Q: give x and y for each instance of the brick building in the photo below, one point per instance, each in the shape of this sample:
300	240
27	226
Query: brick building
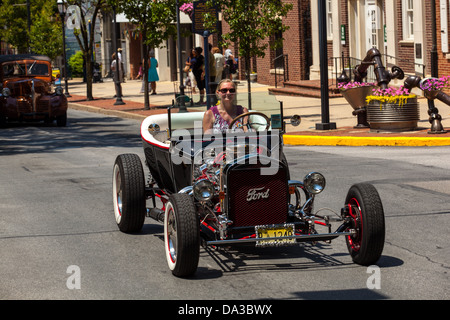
400	29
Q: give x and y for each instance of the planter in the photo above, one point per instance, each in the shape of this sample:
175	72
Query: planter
356	97
253	77
393	116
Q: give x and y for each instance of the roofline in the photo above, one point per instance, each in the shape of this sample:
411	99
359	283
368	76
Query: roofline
14	57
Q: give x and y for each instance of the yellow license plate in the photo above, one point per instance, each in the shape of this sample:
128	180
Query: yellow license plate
278	233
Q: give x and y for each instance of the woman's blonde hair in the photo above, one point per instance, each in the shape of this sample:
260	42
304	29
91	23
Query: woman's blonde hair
226	81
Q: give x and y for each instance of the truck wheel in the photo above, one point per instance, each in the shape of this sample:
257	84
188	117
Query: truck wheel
61	121
181	235
366	214
129	193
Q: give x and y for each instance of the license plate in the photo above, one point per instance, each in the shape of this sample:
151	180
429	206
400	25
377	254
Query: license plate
274	232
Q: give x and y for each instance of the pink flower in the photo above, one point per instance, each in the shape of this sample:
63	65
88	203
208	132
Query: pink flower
187	8
432	84
391	92
349	85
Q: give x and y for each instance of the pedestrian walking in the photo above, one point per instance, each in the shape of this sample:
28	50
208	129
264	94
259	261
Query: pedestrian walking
198	69
230	66
212	65
140	72
220	63
121	67
190	79
153	72
116	68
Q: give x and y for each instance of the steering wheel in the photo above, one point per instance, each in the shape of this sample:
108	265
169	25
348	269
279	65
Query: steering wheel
249	114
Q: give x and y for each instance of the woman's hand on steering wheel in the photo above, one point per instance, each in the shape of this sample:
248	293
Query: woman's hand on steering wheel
249	114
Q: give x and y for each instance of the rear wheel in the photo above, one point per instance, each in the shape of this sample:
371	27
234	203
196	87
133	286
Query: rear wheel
366	214
129	193
181	235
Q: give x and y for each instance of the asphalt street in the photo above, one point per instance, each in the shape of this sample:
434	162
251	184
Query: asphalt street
57	227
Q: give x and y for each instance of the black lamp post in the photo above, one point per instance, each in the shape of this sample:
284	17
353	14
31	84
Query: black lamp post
118	86
324	95
62	13
434	52
181	99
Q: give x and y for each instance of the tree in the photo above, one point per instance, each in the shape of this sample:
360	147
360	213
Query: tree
44	36
86	16
252	23
155	21
45	31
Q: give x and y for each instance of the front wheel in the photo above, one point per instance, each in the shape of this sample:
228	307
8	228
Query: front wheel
129	193
366	215
61	121
181	235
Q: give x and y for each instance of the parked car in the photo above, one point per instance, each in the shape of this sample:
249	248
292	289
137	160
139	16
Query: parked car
234	188
26	90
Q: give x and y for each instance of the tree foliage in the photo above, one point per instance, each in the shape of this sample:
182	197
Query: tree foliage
76	64
87	13
253	25
46	31
44	36
154	20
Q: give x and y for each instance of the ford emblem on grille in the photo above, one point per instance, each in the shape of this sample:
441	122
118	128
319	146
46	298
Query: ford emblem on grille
257	193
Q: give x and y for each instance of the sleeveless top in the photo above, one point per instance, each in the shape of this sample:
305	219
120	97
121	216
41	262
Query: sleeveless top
220	124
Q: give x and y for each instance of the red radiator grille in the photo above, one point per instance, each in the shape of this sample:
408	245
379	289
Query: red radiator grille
268	197
42	105
24	106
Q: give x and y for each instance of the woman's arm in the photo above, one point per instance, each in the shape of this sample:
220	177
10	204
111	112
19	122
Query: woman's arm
208	121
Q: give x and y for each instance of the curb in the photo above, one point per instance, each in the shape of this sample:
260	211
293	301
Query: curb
306	140
365	141
117	113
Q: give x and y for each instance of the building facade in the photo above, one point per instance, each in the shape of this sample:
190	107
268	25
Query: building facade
402	30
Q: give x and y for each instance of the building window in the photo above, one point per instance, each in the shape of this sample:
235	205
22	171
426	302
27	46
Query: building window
329	20
408	19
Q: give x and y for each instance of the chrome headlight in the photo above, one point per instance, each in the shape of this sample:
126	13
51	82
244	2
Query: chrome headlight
314	182
6	92
58	91
154	127
203	190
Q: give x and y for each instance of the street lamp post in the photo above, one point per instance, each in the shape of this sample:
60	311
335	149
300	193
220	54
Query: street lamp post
180	63
324	95
62	13
118	86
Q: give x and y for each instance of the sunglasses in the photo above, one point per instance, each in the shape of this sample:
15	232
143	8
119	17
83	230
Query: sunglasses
231	90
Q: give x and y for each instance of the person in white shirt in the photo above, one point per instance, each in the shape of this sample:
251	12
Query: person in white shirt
220	63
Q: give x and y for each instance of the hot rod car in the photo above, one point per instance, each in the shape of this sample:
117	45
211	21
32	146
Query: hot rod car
233	188
26	93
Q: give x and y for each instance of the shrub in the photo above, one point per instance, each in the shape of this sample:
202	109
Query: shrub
76	64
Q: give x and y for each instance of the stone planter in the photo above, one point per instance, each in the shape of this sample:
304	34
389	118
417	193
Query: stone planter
383	116
253	77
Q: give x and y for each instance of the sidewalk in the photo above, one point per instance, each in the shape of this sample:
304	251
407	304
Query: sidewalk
308	108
